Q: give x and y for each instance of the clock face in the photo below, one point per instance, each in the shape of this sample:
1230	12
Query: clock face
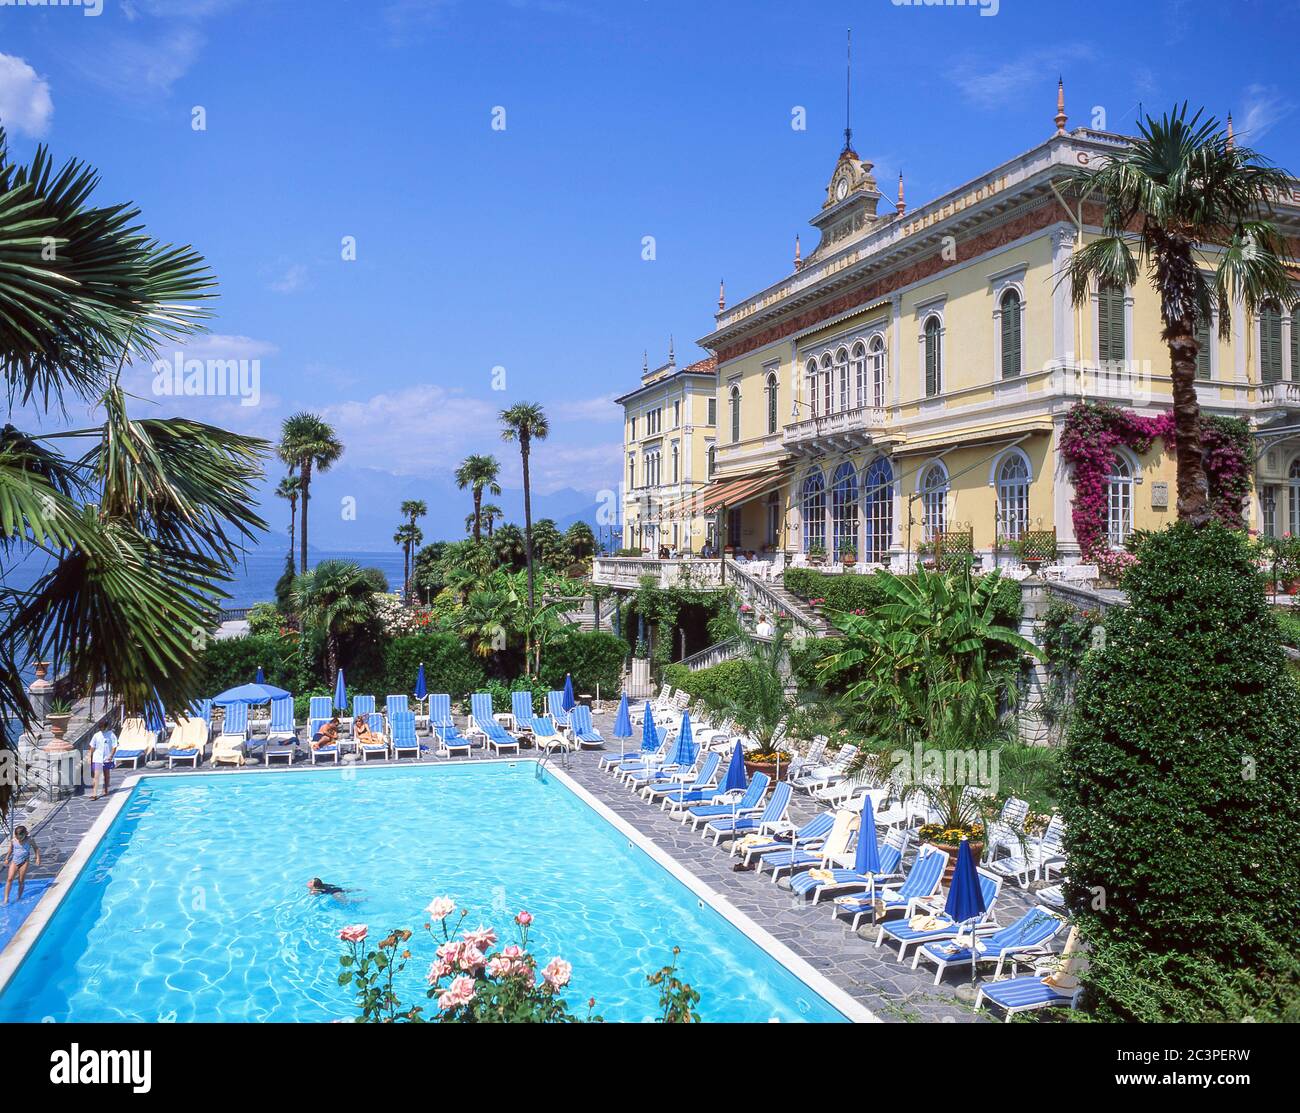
841	189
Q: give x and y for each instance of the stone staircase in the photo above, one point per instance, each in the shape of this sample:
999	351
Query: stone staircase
770	597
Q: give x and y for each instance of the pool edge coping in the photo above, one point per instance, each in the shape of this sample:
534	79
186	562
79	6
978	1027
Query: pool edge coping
22	941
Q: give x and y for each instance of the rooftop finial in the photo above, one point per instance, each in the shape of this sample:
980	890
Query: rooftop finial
1231	140
901	205
848	91
672	359
798	256
645	362
1060	106
722	294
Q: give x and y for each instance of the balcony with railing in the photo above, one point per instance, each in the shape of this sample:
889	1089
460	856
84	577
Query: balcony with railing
843	430
1280	394
628	572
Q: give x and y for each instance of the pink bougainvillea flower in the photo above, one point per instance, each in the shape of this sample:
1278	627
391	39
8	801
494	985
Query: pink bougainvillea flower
354	933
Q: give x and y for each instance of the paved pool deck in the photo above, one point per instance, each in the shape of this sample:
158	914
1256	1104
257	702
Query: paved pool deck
891	989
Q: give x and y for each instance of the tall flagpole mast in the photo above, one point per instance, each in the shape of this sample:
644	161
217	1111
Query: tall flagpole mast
848	90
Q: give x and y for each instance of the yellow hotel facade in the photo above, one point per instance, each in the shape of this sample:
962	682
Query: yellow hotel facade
912	376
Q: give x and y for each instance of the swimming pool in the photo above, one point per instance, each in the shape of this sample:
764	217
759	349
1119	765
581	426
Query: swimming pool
193	905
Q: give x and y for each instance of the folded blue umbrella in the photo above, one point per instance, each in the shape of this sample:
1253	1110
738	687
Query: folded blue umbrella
623	720
737	780
340	693
155	719
867	858
421	686
649	735
260	678
685	750
965	896
569	701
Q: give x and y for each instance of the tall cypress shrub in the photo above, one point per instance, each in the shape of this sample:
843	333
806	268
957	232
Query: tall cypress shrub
1181	792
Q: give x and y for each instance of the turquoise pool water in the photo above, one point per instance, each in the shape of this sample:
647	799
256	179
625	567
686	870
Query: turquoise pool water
193	907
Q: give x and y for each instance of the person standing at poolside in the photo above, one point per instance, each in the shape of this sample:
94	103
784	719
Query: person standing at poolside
21	848
103	745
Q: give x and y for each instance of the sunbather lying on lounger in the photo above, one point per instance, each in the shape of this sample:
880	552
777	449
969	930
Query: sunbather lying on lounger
329	733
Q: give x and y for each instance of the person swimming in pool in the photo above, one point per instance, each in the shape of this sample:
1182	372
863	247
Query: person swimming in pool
318	888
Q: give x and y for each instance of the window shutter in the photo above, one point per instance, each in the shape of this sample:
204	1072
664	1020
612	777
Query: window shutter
1110	325
931	358
1011	336
1270	344
1204	337
1295	342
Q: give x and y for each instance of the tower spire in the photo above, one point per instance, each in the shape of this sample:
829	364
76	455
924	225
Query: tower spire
900	205
1231	139
672	359
848	91
1060	106
798	259
722	294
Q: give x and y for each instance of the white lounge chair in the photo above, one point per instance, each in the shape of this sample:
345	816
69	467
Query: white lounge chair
188	741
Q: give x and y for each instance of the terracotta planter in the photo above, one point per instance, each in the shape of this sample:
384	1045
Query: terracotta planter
976	849
42	669
848	561
768	767
58	725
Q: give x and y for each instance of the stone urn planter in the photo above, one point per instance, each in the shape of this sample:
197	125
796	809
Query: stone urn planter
768	767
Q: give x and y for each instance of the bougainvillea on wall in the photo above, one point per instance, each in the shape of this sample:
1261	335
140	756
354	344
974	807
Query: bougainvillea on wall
1093	431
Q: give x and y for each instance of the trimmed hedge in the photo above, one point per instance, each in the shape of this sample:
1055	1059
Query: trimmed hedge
1181	792
448	666
851	592
720	686
592	657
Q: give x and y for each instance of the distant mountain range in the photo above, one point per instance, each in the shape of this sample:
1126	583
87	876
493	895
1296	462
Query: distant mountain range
355	509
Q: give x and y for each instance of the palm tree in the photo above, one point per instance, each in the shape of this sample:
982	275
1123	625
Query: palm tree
526	422
289	489
307	443
491	514
337	597
140	528
1181	192
411	536
479	473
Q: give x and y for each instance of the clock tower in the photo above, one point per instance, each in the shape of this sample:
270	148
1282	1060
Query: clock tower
849	210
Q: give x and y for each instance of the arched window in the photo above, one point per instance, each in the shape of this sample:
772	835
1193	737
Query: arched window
842	367
1112	345
877	372
1119	502
814	511
878	511
934	501
1293	493
844	509
771	403
676	462
859	358
933	357
828	397
811	370
1013	496
1010	305
774	520
713	459
735	414
1270	343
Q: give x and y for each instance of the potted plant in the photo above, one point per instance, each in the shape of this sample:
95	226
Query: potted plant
57	717
762	706
817	554
769	759
848	556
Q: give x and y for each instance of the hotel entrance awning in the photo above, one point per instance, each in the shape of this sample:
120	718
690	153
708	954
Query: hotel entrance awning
727	492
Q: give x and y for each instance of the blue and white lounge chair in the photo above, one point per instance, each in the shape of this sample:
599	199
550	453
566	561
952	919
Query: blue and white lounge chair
802	845
319	712
921	883
440	711
362	705
394	704
933	927
451	742
231	743
837	875
643	761
202	709
772	817
1029	935
521	707
750	803
1029	857
188	739
482	723
555	706
375	721
584	732
404	741
282	734
545	736
135	743
1054	982
705	776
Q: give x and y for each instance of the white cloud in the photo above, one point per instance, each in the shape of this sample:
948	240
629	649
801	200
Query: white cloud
991	84
587	409
215	345
1265	106
557	463
25	103
292	280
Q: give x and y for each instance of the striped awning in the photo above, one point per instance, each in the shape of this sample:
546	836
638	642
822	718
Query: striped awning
727	492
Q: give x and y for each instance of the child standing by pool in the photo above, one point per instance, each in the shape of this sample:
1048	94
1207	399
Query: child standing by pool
21	848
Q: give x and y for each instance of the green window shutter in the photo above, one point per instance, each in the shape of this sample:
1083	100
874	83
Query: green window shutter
1204	337
1295	342
931	358
1270	344
1110	325
1011	335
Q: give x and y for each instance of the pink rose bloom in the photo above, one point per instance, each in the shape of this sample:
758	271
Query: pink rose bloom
481	938
450	951
471	959
354	933
441	908
557	973
460	992
512	951
498	967
438	971
524	918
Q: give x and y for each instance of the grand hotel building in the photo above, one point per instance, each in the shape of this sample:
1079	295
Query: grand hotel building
912	375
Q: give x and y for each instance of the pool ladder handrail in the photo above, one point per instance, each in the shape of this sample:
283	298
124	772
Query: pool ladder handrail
546	757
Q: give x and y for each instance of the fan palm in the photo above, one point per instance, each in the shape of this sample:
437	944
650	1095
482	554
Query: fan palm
139	531
479	473
1182	193
491	515
526	422
408	538
309	444
337	598
289	488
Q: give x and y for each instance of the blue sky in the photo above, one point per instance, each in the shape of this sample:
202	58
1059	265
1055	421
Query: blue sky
522	248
